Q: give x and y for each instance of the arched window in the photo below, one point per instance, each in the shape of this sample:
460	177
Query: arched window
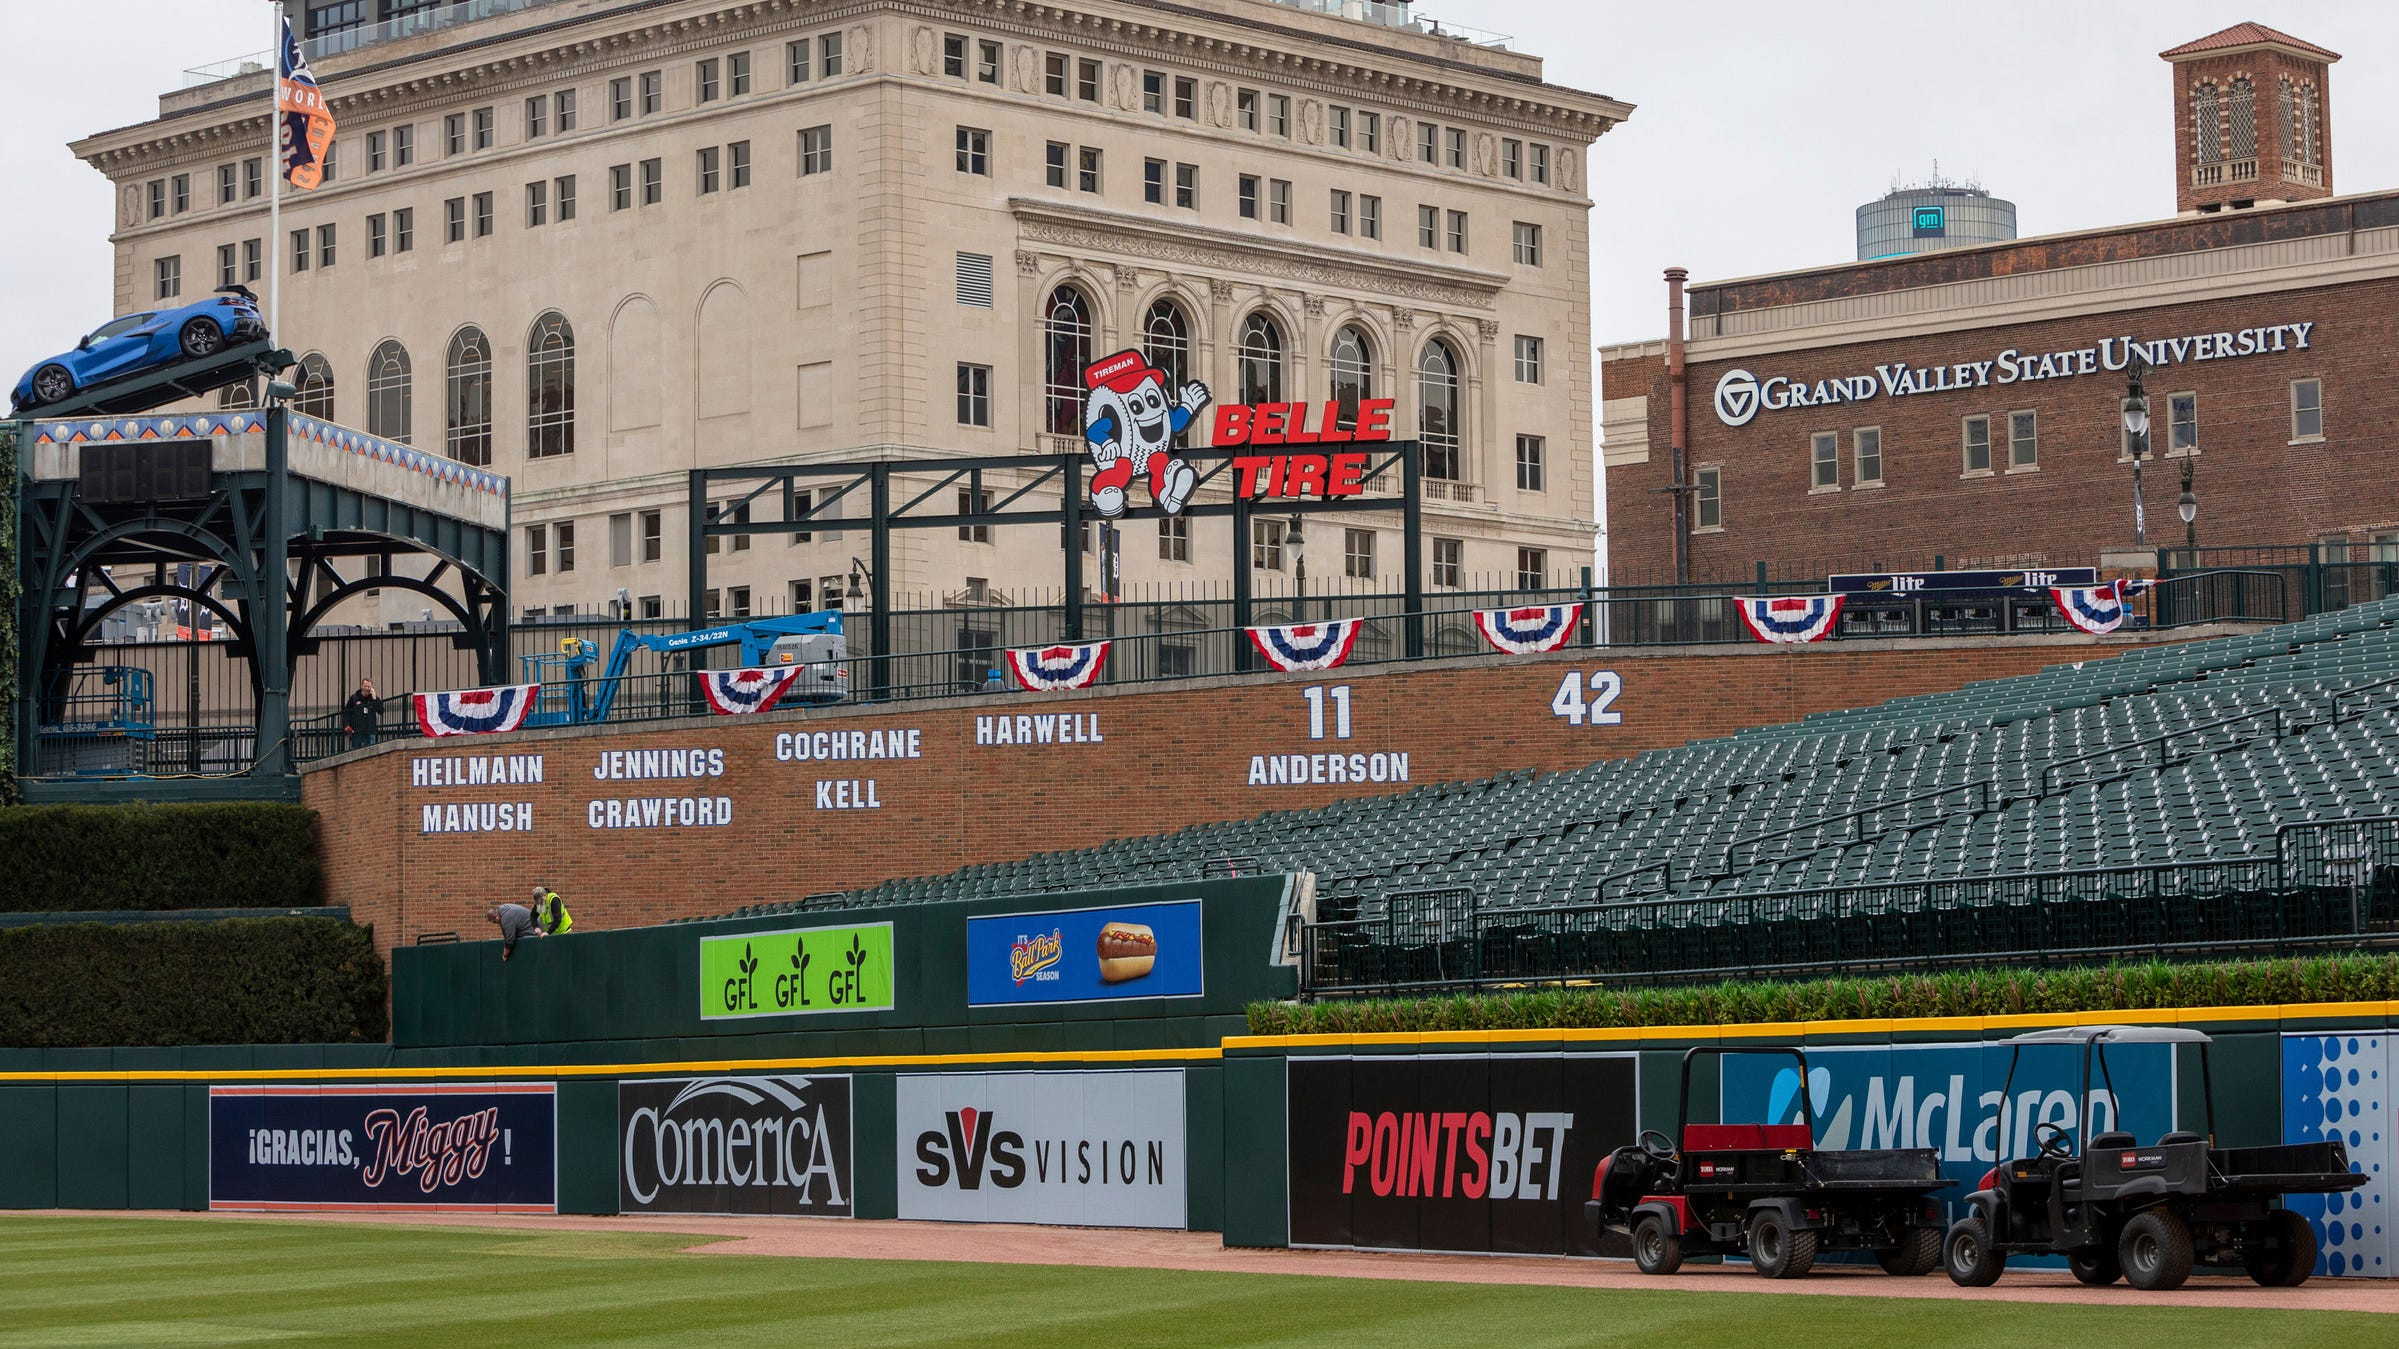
2207	126
2243	106
1353	373
1065	353
466	398
316	388
550	387
1166	341
1437	409
2311	125
387	391
1261	359
233	397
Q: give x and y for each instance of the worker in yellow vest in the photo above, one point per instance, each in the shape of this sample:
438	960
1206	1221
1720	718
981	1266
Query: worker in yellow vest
550	912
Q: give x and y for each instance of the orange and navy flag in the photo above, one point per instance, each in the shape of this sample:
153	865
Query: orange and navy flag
305	123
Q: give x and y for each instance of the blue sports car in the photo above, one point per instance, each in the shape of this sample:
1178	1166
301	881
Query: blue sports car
139	343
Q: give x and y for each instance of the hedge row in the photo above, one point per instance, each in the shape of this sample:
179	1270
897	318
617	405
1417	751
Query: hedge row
238	981
239	855
2108	988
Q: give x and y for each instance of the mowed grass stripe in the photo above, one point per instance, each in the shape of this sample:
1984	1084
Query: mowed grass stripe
136	1281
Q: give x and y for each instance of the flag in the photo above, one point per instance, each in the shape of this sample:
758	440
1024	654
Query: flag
1543	627
1790	619
1307	646
2096	609
475	711
1047	669
736	692
305	123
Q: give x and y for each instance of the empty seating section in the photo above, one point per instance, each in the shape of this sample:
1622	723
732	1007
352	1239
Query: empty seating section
2168	754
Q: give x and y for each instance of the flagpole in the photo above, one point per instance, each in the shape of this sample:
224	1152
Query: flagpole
274	166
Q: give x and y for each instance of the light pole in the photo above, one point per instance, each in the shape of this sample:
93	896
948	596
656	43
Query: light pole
1297	542
2187	506
2136	429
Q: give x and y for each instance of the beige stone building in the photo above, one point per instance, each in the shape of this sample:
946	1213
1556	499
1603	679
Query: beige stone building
593	244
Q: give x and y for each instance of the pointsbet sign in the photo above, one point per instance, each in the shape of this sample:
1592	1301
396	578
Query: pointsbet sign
797	972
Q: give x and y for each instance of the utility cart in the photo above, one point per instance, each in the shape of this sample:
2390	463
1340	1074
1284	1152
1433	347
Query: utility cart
1766	1191
2146	1214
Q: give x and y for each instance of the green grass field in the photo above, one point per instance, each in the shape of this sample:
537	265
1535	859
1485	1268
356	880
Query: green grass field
134	1281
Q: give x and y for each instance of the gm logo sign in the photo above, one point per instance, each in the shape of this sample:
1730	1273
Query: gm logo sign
1736	397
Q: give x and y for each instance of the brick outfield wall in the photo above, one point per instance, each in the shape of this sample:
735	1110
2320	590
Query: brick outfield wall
1157	759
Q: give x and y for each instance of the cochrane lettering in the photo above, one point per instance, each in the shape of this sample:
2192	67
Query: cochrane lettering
633	765
1742	395
1042	728
476	817
974	1149
1456	1154
475	770
807	746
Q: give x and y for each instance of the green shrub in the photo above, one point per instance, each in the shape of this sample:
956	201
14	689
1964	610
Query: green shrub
2106	988
238	981
238	855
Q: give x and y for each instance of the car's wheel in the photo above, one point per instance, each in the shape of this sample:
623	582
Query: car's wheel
2096	1266
1969	1256
1919	1252
1656	1250
2293	1256
2156	1252
1778	1252
201	338
52	384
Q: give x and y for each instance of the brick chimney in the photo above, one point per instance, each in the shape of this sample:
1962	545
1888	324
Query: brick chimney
2252	119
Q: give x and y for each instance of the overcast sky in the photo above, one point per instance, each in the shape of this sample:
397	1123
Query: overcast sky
1760	126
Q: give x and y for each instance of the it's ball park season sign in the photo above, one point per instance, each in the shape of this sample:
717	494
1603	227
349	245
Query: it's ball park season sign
797	972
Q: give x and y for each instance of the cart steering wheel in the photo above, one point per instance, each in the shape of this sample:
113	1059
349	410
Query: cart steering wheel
1662	1148
2055	1140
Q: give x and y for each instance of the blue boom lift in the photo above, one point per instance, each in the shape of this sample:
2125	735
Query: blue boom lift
571	696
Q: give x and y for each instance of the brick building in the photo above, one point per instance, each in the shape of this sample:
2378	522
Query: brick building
1967	405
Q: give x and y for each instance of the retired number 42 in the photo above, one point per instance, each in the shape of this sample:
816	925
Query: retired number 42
1596	708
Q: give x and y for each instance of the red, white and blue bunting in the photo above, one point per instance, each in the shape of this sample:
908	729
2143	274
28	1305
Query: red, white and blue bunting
1307	646
475	711
2097	609
1790	618
1526	632
732	693
1048	669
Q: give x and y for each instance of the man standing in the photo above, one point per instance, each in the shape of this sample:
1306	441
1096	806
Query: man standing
359	715
515	921
549	912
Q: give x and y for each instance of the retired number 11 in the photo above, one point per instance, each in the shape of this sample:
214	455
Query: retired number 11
1316	699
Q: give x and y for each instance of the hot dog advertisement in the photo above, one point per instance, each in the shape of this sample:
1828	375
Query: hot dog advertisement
1109	954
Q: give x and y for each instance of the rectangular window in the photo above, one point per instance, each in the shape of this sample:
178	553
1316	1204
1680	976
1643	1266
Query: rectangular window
1532	568
1428	142
1340	219
974	280
2024	440
1531	457
795	62
1453	147
566	545
1370	217
737	74
1528	359
1528	245
1976	435
711	166
953	55
971	502
1054	74
709	79
653	607
1186	98
816	150
1708	499
378	236
620	98
1357	554
1187	186
1370	132
737	164
254	178
483	128
537	549
537	116
168	272
737	601
652	536
1249	196
562	104
228	266
1174	538
653	181
483	215
2307	410
711	608
1266	545
324	245
1539	160
333	154
183	188
653	91
828	55
974	151
537	204
377	153
803	504
620	539
453	134
1087	169
1278	201
1511	158
1087	81
974	395
1449	562
1153	181
404	140
404	229
620	186
158	198
1428	226
301	252
1866	449
988	56
1278	115
1053	158
1336	126
565	195
228	185
1245	109
1824	462
454	220
1153	91
2182	423
1457	231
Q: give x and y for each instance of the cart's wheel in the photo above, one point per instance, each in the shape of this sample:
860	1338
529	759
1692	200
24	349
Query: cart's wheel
1971	1259
2293	1257
1919	1252
2156	1251
1656	1250
2096	1265
1778	1252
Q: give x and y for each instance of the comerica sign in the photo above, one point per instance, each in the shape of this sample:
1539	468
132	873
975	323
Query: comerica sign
1742	395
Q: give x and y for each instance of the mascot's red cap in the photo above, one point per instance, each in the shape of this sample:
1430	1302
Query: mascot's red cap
1124	372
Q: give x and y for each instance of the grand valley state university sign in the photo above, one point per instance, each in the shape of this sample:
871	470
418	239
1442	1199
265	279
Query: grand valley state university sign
1742	395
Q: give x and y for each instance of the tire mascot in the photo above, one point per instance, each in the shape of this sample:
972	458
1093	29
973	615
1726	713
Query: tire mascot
1132	426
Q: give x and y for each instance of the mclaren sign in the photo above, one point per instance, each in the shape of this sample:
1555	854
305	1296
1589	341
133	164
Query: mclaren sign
1742	395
